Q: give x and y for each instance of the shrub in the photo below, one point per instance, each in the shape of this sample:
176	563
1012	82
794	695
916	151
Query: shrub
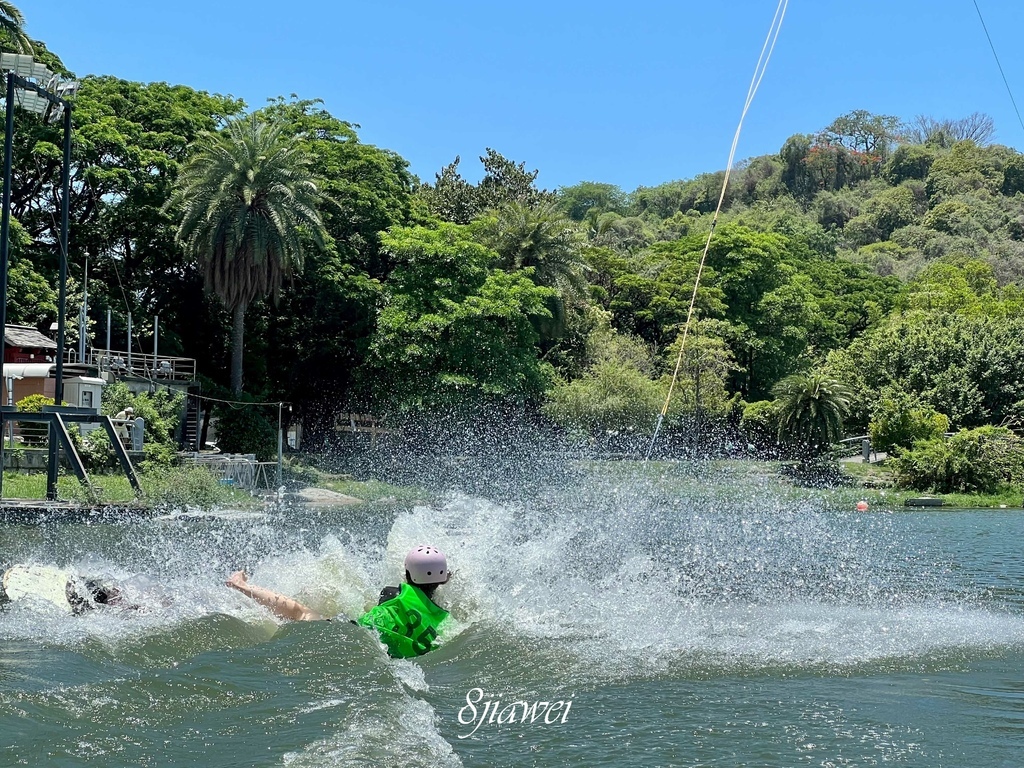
760	424
34	403
899	419
609	398
95	451
182	487
161	410
246	430
974	460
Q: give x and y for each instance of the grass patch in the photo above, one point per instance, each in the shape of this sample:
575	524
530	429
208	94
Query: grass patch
172	486
374	490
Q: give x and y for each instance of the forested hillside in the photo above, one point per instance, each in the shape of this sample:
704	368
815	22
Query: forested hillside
872	266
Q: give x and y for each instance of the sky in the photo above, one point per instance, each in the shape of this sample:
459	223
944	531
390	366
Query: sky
631	94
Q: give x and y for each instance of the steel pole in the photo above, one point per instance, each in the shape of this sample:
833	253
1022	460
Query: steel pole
83	324
280	443
5	234
53	465
65	203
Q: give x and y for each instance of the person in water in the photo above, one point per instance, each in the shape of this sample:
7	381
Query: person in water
65	590
406	618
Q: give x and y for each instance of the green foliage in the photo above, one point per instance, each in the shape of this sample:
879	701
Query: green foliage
584	200
704	371
811	409
161	410
400	311
451	198
12	29
899	419
760	423
249	206
183	487
891	209
863	132
975	460
964	168
968	366
616	394
34	403
910	161
952	216
1013	176
96	453
539	237
452	327
609	398
246	429
370	189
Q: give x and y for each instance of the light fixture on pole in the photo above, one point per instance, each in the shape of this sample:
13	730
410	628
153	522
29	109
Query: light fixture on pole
37	89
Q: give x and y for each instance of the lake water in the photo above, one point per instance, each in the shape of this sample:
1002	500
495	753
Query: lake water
726	627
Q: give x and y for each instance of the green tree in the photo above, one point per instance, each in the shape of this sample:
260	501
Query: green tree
453	199
540	237
608	400
452	328
964	168
811	409
704	371
311	346
1013	176
617	395
910	161
12	29
864	132
581	199
506	181
249	202
969	366
760	424
899	419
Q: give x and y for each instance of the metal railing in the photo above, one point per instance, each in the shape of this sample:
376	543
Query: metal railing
140	364
240	470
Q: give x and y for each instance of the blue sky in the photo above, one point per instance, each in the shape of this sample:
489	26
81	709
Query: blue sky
627	93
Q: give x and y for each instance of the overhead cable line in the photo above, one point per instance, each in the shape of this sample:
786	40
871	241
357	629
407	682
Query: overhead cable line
998	64
755	82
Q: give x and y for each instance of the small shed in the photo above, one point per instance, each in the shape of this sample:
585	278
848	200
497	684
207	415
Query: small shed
24	344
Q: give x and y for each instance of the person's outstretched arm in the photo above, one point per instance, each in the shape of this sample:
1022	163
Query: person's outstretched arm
282	606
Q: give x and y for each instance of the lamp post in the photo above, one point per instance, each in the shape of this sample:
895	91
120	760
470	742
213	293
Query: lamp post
21	72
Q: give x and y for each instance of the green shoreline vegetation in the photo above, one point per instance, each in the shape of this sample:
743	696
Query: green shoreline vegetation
724	478
865	279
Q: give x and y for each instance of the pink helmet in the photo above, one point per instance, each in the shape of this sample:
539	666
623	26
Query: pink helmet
426	565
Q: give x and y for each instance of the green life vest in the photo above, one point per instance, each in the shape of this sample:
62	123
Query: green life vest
407	623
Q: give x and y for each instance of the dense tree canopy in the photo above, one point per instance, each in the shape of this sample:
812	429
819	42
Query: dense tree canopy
884	258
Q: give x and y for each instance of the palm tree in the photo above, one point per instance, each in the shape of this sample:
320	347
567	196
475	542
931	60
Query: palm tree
12	31
542	238
538	236
811	408
249	203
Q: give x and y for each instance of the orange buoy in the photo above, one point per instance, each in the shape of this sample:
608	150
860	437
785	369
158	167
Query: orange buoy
862	506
